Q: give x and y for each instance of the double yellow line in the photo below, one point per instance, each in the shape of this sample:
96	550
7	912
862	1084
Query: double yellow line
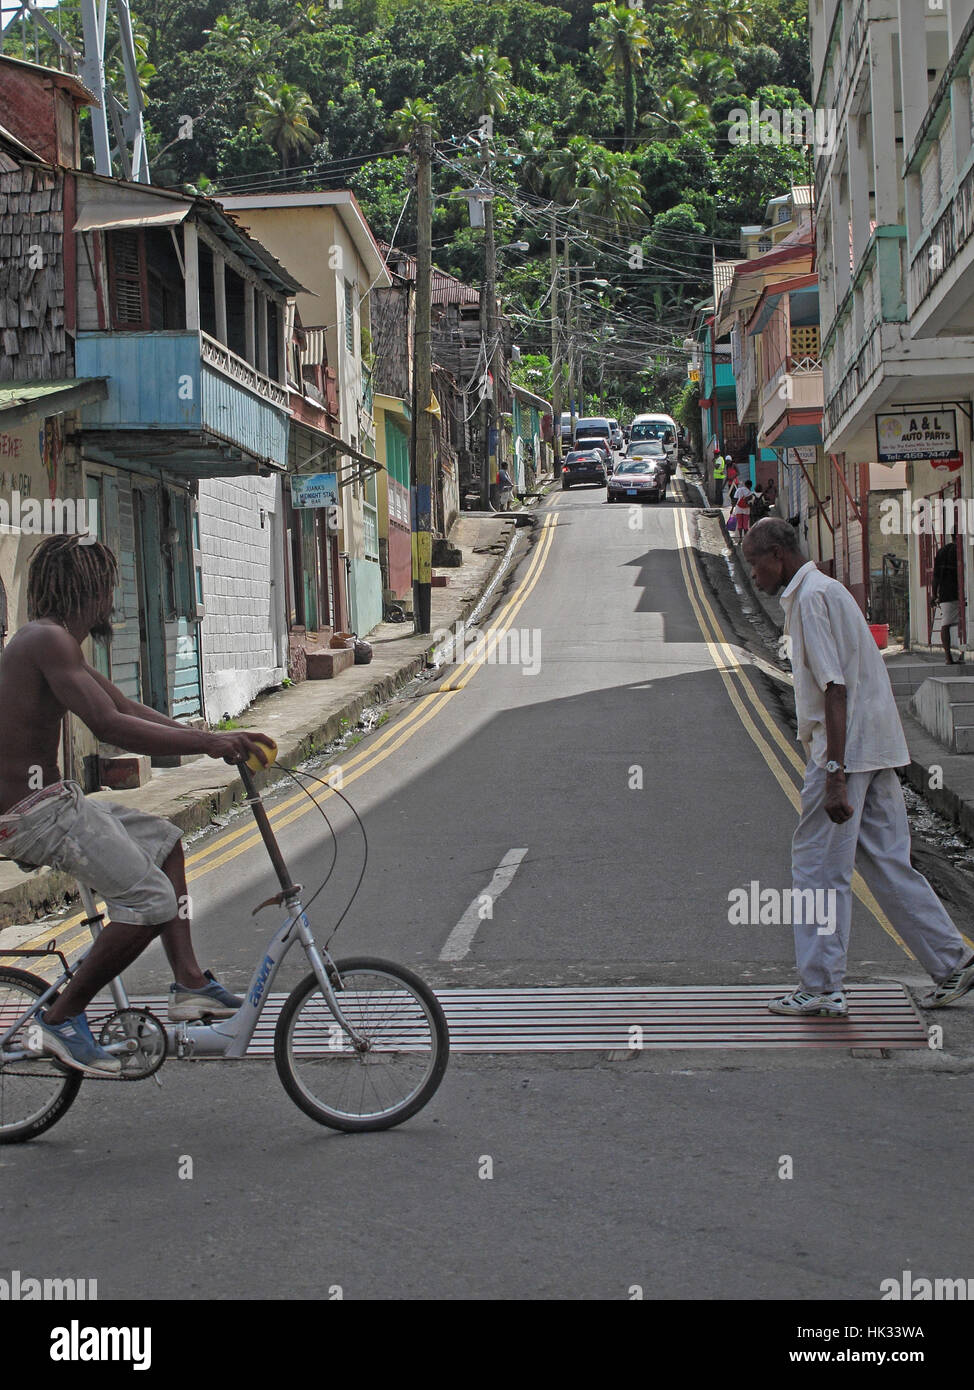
770	742
228	847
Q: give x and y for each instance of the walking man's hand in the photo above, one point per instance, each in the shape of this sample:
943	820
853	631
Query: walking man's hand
837	806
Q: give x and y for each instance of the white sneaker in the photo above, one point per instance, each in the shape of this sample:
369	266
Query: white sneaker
801	1003
954	987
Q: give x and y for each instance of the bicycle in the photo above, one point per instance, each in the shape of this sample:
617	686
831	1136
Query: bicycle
351	1029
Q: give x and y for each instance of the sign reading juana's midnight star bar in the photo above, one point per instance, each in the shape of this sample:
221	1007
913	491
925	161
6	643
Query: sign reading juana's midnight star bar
916	434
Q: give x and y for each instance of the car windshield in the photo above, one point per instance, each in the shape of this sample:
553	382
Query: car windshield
648	446
589	456
638	466
649	429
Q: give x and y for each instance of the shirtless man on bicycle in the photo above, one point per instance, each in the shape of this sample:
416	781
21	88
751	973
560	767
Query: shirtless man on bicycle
134	860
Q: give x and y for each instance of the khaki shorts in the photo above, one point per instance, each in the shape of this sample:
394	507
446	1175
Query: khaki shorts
948	613
115	850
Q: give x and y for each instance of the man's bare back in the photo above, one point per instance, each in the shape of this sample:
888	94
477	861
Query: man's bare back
43	674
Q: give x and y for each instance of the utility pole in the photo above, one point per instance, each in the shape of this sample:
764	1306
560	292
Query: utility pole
571	337
423	372
491	431
555	352
581	358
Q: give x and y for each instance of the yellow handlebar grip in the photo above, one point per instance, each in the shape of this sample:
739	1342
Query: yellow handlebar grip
254	763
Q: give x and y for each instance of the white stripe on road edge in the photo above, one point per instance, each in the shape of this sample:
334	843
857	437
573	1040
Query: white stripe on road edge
460	940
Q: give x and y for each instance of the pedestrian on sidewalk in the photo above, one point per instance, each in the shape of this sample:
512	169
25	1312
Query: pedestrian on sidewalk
741	498
720	474
133	860
732	473
505	487
852	808
946	595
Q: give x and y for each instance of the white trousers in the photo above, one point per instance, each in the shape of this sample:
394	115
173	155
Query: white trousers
876	841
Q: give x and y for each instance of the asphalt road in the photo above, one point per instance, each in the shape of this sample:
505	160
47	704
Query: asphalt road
612	754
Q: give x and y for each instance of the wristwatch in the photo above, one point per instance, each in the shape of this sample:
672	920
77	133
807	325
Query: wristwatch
833	766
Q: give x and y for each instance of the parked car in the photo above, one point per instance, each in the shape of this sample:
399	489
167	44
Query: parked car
583	466
640	479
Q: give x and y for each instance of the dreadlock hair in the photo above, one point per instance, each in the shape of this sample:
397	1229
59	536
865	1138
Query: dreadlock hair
68	576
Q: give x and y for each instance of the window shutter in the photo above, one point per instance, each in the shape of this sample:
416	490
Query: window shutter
128	282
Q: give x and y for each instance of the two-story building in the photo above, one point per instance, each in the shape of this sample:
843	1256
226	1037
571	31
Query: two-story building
326	240
897	363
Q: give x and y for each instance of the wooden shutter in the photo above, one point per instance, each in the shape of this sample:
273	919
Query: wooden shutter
129	292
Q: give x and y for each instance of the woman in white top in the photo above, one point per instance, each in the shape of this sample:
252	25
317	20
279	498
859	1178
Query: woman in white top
741	499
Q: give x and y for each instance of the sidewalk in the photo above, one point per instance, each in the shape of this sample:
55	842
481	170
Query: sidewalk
944	779
302	719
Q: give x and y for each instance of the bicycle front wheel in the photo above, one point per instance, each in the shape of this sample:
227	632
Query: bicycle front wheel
34	1092
402	1022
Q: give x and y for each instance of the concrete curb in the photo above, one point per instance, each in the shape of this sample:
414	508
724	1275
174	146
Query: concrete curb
49	890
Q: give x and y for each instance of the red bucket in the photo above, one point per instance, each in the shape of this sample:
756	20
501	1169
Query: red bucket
881	633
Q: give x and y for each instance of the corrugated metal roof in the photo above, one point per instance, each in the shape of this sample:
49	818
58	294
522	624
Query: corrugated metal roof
802	194
447	289
28	400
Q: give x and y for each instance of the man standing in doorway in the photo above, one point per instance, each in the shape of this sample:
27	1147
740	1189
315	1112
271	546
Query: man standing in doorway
946	595
852	808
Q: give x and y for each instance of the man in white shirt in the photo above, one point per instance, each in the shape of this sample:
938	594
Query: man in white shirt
853	813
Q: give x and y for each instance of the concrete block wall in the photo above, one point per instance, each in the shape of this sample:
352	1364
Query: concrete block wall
243	638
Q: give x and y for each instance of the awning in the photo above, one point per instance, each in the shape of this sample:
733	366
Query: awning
112	213
30	400
332	445
794	429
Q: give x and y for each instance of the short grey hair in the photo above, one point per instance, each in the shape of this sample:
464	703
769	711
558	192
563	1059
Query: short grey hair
771	531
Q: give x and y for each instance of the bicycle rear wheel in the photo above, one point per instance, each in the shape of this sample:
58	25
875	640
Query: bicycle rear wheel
34	1094
409	1046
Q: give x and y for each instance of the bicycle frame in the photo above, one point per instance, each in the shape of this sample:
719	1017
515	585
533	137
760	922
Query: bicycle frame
229	1039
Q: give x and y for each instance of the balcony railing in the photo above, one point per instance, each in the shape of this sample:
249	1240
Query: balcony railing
949	235
217	355
854	380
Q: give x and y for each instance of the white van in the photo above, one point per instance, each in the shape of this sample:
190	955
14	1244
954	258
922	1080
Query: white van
656	427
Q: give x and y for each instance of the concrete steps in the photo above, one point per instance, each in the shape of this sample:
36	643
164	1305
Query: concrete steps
944	705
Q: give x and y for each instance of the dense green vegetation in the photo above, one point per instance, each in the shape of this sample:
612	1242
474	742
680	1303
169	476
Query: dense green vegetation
618	113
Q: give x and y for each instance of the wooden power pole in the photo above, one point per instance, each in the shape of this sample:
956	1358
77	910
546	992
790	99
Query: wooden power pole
555	352
423	370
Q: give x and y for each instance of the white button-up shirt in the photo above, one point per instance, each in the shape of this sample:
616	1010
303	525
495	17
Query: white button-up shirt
831	644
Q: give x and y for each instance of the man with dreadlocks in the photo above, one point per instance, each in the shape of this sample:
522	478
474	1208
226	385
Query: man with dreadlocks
133	860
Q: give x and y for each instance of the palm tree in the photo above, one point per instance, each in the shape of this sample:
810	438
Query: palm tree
281	116
536	145
732	23
613	192
568	169
712	23
709	76
484	89
695	20
677	113
414	114
622	36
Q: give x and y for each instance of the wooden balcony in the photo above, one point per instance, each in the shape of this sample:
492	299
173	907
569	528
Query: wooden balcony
184	401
